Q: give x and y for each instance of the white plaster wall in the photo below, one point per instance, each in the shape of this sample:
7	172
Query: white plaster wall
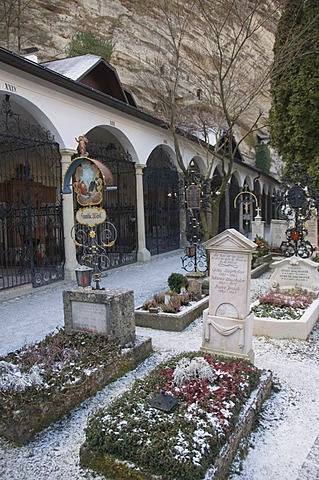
68	115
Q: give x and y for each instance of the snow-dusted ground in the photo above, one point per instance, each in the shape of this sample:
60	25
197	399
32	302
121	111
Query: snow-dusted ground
283	447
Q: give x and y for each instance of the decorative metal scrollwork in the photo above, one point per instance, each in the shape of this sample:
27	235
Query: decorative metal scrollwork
194	259
297	206
94	247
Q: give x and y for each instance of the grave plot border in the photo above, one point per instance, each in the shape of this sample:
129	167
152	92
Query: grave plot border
21	426
276	328
173	322
114	468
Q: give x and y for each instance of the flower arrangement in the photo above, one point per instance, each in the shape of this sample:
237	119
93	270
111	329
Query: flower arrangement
173	305
173	299
262	246
183	443
285	305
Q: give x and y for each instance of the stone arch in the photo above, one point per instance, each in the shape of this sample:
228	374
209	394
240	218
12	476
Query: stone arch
111	146
161	201
259	195
249	182
216	181
111	138
200	164
32	114
31	220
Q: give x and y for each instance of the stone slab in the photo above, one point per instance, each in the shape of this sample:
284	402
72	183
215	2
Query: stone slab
228	336
229	284
258	228
312	227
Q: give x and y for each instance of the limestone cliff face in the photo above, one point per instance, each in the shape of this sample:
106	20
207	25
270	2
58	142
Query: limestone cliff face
134	28
132	25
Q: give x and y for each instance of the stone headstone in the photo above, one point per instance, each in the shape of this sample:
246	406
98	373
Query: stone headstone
195	287
312	227
295	272
277	232
257	228
108	312
227	325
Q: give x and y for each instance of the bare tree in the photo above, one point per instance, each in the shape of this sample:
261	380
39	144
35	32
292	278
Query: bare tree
207	78
17	29
234	75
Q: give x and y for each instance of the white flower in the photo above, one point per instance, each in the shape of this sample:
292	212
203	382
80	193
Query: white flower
187	370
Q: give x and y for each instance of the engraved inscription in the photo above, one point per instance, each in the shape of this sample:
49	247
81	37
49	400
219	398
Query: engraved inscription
229	272
294	275
90	317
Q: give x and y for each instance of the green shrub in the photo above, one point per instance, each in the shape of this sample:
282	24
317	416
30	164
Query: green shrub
176	281
86	42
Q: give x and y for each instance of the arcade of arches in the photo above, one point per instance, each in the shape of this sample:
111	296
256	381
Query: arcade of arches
147	207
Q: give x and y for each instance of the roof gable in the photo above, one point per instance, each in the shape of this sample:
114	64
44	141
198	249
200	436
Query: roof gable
92	71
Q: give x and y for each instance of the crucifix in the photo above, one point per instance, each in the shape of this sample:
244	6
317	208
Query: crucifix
258	210
246	202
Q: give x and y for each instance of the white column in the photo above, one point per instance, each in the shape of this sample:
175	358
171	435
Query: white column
143	255
71	262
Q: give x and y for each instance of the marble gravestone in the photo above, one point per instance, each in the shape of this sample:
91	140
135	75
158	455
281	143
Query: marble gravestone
278	232
258	227
108	312
295	272
312	228
227	324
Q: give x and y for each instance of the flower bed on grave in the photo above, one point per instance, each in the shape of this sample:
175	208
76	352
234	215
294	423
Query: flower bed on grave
217	401
261	258
286	314
175	315
42	382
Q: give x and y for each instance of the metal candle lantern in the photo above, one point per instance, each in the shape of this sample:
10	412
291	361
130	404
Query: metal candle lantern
84	276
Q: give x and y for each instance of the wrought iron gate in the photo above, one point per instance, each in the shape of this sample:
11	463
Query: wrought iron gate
120	204
161	206
31	233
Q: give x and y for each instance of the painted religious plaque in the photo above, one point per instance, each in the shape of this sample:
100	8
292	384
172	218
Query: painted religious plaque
91	216
193	196
88	184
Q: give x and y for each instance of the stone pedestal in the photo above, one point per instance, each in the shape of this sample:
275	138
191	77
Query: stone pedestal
228	336
107	312
227	325
257	227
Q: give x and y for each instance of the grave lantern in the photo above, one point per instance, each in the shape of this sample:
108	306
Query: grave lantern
191	250
84	276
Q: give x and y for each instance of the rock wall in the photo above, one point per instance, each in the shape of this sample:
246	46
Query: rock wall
135	31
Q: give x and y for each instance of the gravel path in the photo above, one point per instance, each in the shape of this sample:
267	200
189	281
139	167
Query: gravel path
285	446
